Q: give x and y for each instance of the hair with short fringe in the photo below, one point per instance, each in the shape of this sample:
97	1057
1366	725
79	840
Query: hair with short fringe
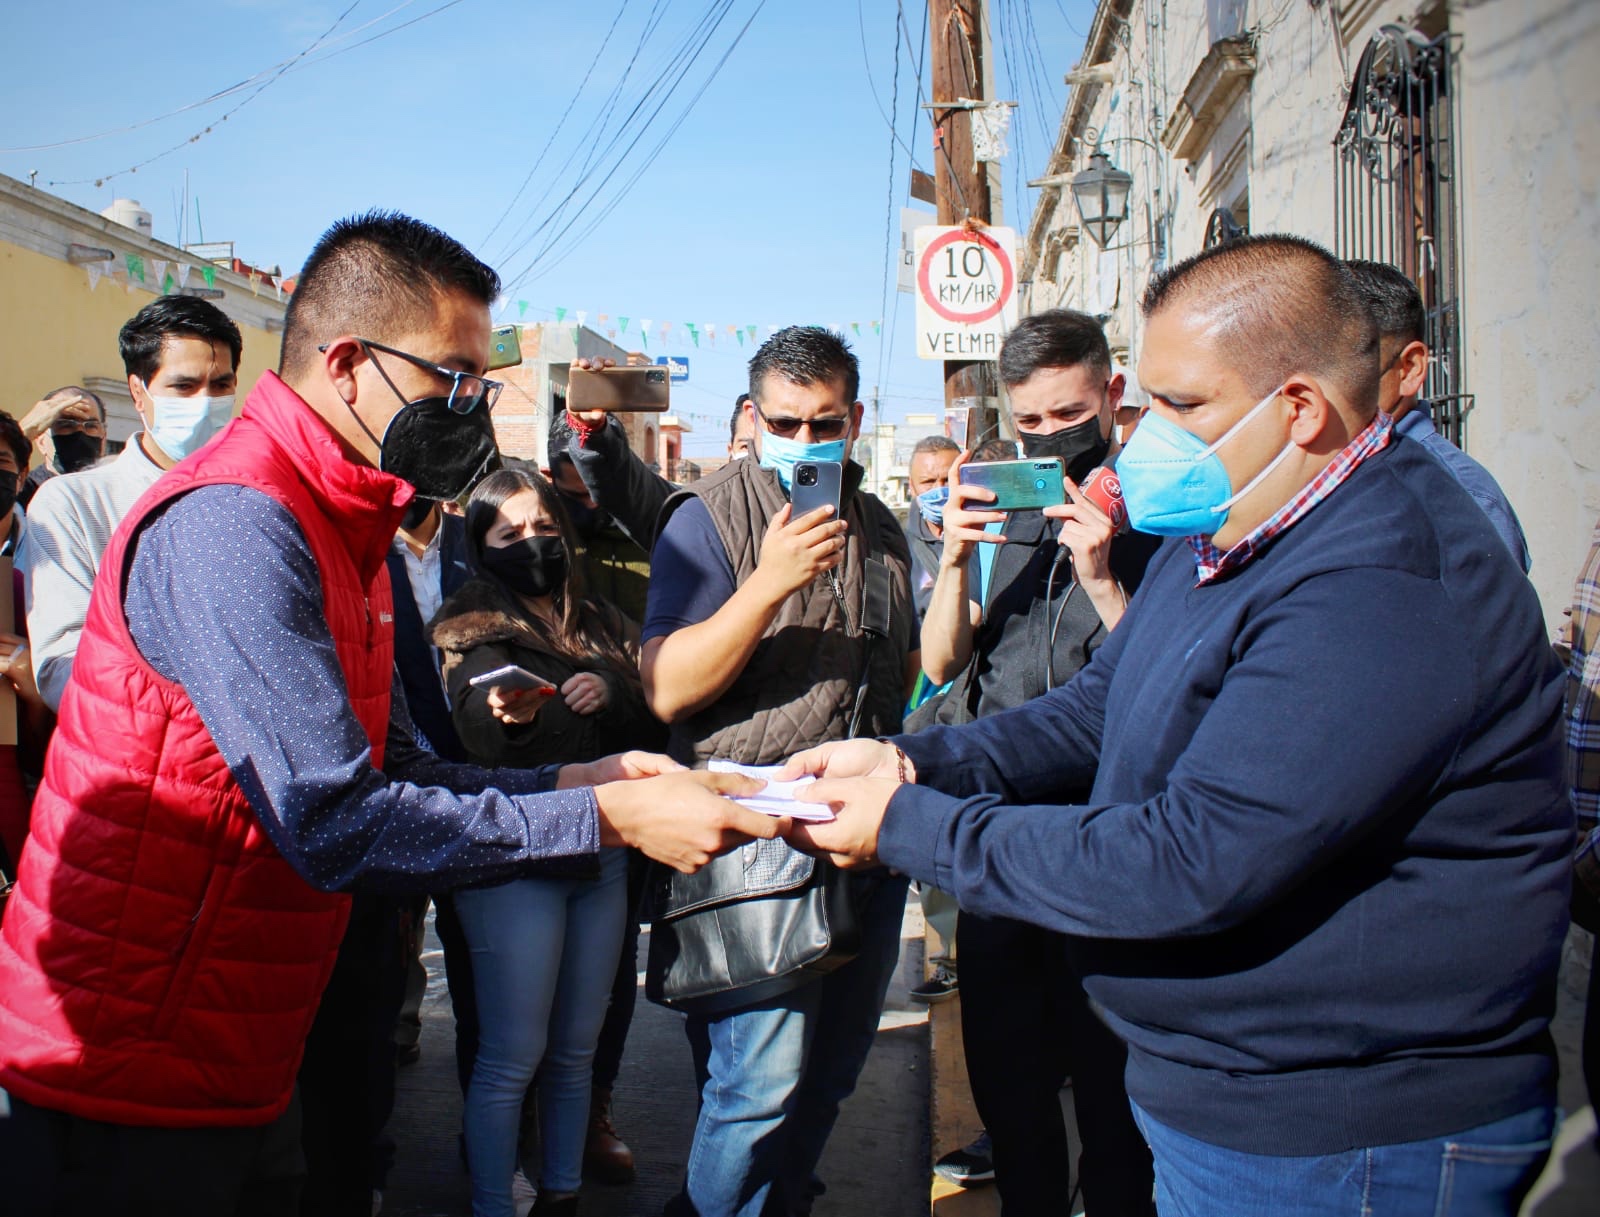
1060	338
1394	301
1277	305
806	355
147	331
378	275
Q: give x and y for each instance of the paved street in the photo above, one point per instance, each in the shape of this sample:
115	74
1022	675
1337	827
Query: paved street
876	1164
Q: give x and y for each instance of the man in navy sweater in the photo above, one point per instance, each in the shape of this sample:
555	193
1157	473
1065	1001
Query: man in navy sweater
1321	881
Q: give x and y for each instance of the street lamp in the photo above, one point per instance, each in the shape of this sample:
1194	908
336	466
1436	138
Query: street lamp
1101	193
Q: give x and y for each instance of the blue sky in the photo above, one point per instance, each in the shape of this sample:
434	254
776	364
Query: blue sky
766	206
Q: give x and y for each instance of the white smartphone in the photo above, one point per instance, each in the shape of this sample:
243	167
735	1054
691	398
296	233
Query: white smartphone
513	677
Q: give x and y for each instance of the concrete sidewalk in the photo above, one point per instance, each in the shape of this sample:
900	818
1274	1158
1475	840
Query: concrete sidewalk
876	1164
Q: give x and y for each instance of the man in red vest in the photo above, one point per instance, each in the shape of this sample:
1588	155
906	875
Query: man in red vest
231	756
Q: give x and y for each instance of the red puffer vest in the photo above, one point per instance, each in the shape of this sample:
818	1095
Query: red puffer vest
160	962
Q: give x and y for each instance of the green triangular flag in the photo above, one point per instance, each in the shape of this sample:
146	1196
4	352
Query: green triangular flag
751	330
856	326
561	314
644	337
739	334
135	266
877	327
168	284
209	274
522	308
624	321
695	334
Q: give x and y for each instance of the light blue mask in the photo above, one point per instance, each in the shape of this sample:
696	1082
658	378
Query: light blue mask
1175	484
931	504
182	425
782	455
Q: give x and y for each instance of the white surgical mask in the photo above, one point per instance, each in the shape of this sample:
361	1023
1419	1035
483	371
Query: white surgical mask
183	424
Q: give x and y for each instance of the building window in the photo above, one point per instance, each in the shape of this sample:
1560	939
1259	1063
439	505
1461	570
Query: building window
1397	193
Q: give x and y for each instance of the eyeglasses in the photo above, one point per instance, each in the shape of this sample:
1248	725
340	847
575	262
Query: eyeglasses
822	429
467	391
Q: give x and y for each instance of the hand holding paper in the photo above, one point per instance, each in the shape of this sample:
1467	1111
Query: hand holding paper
777	798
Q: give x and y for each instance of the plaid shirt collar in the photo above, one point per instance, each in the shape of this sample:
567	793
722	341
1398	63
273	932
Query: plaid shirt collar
1211	562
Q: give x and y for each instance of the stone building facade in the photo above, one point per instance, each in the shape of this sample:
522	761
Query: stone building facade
1295	116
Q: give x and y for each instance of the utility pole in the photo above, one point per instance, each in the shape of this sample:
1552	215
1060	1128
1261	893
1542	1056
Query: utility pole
957	31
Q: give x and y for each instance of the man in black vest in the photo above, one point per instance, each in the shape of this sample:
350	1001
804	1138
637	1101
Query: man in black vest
756	646
1049	601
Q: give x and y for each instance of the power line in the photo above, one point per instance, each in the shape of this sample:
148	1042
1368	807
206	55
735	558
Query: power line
556	130
220	94
712	20
888	220
297	62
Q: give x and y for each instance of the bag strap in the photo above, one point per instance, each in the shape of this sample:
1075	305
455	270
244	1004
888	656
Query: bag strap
876	612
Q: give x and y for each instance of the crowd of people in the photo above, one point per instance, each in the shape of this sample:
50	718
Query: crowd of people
1253	783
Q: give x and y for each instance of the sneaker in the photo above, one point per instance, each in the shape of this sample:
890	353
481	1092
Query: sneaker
970	1166
941	986
523	1194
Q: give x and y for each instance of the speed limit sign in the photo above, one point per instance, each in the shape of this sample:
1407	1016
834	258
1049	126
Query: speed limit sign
966	291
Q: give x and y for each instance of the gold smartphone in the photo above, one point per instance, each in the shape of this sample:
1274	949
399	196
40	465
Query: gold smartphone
619	390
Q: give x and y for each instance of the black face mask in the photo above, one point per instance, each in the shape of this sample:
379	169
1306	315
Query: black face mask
76	450
1080	448
416	513
533	566
8	492
586	520
441	453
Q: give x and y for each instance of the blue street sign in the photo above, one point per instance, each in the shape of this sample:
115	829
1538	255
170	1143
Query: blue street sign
678	364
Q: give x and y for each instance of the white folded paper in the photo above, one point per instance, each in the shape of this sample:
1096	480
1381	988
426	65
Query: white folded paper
777	798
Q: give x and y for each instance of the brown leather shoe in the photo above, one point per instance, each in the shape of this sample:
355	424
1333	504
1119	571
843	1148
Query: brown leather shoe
606	1158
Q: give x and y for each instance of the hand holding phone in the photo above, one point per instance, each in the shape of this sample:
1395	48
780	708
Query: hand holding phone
515	695
968	511
796	549
816	484
618	389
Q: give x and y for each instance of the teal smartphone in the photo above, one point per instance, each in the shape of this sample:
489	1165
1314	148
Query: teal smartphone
505	347
1018	485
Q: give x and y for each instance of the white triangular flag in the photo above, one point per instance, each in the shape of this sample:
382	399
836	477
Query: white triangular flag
95	269
159	265
277	285
582	315
182	271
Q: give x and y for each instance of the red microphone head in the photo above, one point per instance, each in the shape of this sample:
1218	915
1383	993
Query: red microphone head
1104	489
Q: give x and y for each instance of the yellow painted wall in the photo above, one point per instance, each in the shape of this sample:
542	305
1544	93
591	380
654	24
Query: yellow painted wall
57	332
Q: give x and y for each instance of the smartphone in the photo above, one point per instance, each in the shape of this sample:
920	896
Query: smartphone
619	390
1018	485
816	483
505	347
513	677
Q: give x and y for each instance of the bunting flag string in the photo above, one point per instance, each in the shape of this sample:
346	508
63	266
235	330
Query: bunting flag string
615	324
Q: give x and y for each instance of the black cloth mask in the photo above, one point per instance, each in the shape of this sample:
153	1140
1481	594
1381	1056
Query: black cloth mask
441	453
533	566
1080	448
76	450
416	512
8	491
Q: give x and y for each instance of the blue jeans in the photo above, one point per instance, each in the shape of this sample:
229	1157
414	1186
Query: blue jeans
544	952
1483	1172
768	1102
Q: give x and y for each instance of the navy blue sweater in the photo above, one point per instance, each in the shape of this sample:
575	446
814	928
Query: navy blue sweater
1321	883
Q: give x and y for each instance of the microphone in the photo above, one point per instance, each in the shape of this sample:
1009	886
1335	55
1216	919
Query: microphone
1104	489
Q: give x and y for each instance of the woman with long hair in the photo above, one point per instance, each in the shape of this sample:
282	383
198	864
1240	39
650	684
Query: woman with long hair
544	949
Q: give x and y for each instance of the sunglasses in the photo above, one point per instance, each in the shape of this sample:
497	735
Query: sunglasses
822	429
467	391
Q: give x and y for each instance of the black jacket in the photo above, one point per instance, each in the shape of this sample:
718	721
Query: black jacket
413	653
